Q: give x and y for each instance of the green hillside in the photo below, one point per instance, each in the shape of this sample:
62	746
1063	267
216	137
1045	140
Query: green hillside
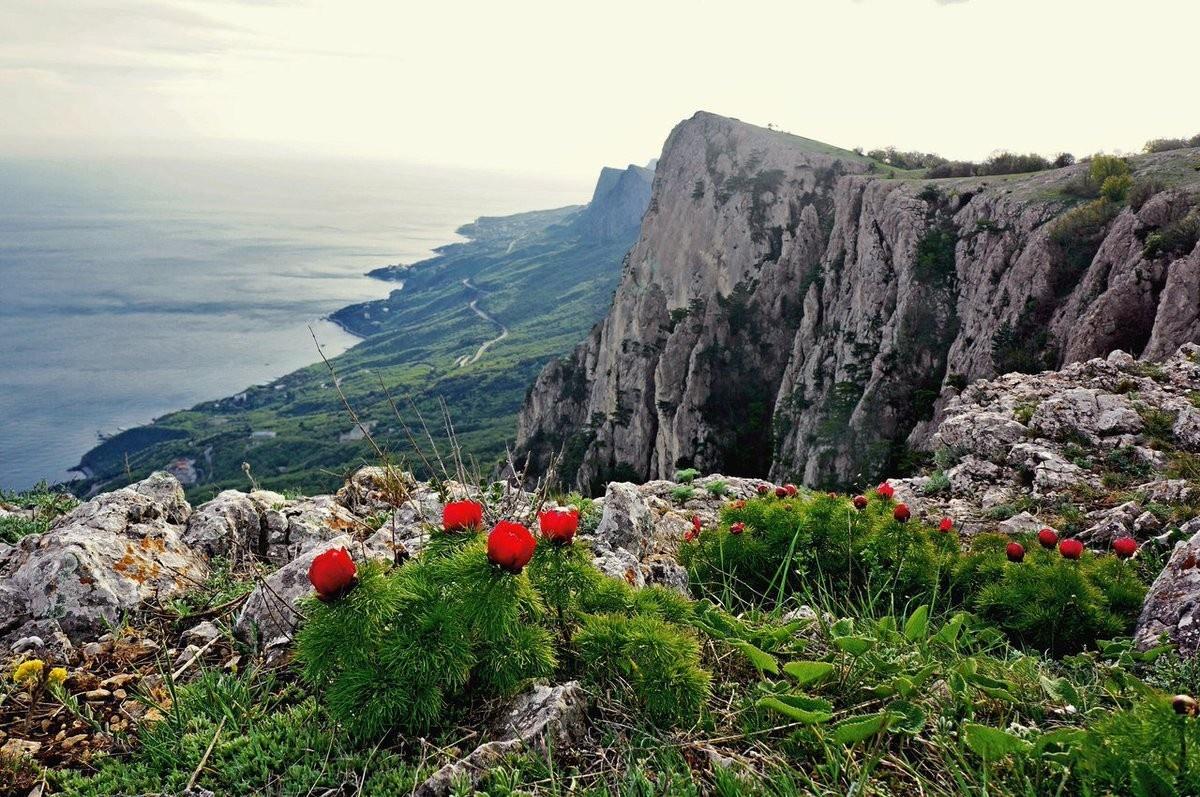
542	277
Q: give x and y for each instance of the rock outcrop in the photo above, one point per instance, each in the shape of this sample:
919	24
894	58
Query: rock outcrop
1171	611
789	307
99	561
541	720
1097	436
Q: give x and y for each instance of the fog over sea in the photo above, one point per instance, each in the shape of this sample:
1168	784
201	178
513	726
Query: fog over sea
132	288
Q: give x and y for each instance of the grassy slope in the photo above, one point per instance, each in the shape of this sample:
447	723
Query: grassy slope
532	273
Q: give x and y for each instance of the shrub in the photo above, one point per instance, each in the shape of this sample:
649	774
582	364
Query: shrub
792	544
1047	602
717	488
1168	144
686	475
1104	166
683	494
1078	234
1142	190
1146	749
938	482
1176	239
400	649
1115	188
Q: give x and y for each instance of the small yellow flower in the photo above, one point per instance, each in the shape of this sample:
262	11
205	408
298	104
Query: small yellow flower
29	672
57	676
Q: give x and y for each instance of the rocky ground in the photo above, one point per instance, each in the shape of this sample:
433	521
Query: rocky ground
134	588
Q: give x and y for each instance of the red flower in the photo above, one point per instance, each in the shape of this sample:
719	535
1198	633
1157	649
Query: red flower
737	528
332	573
1070	549
1015	552
791	490
832	494
860	502
559	525
739	504
781	492
885	491
901	513
1047	538
763	489
510	545
1125	547
694	531
462	515
947	525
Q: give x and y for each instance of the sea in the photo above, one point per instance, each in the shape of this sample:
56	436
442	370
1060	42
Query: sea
131	288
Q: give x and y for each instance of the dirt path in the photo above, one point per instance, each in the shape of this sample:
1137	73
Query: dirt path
467	359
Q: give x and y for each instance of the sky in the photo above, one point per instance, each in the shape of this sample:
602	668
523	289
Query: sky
564	87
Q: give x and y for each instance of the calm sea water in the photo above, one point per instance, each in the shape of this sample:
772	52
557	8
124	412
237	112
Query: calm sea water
130	289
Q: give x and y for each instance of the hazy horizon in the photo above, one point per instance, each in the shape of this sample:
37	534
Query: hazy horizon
538	87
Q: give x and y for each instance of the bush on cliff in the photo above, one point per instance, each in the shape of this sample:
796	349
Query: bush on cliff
406	647
769	550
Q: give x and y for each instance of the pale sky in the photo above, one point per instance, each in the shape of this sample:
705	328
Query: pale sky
562	87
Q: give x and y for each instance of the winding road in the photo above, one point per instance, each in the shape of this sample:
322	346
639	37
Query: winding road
467	359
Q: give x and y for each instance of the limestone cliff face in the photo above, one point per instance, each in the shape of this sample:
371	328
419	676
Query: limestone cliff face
790	308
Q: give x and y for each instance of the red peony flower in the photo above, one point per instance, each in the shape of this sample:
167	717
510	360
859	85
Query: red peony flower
1125	547
885	491
1047	538
510	546
946	526
860	502
1015	552
462	515
737	528
559	525
832	494
781	492
739	504
791	490
332	573
901	513
763	489
1070	549
694	531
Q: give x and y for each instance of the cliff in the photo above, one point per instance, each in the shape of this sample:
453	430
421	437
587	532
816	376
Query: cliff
798	309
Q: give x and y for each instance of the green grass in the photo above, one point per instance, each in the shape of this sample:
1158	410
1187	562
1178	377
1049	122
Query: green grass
46	505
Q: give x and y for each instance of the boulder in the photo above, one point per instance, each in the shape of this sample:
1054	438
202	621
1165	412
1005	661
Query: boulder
987	435
1171	609
1085	412
232	525
1109	524
542	720
626	522
1023	523
100	561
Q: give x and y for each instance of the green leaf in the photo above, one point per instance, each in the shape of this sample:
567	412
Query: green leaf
917	626
842	627
863	726
809	710
948	633
908	717
1060	689
854	645
1148	782
762	660
807	672
992	744
1065	738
